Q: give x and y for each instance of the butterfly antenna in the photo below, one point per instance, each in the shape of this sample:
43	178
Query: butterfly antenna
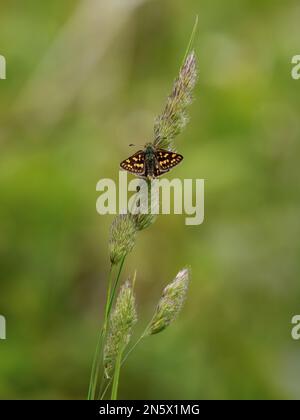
135	145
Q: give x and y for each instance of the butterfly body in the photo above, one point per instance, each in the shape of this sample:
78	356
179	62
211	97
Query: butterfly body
151	162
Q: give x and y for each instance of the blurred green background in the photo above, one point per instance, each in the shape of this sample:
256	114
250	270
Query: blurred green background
85	79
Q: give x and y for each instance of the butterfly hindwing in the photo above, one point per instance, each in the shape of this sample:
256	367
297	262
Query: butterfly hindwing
135	163
167	160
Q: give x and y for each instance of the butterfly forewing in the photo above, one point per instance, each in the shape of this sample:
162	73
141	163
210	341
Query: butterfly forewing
135	163
167	160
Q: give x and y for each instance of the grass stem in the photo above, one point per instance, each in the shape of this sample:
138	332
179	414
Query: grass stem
191	40
98	351
102	395
114	391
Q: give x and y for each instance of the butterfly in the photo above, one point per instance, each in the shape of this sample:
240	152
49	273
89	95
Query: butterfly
151	162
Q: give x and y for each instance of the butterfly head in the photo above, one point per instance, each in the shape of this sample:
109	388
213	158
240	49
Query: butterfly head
149	147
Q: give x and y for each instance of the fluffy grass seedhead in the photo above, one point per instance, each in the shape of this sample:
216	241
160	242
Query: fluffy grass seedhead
122	237
144	220
121	323
171	302
174	117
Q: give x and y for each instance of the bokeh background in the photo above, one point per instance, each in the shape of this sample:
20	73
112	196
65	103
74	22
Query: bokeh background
85	79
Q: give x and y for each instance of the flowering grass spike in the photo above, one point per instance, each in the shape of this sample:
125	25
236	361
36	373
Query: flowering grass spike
171	302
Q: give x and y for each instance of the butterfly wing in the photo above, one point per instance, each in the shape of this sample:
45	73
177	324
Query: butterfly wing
166	160
135	164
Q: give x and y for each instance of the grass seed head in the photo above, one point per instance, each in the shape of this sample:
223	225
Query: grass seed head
174	117
171	302
122	237
121	323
